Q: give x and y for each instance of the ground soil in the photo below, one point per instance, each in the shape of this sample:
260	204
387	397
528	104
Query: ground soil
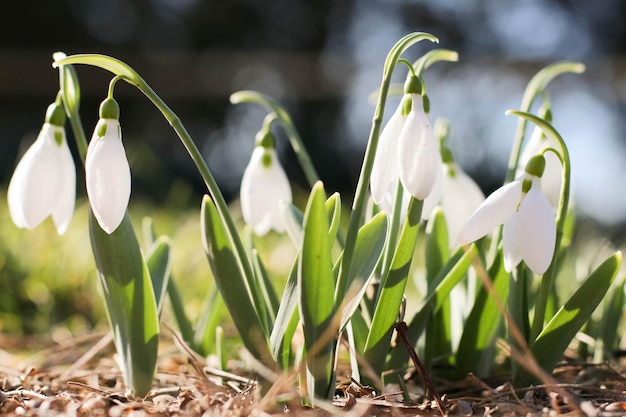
79	377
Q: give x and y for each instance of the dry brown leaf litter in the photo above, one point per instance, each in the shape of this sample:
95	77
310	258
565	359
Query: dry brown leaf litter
55	386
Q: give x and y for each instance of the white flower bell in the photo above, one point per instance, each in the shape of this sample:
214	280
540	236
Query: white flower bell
552	176
457	194
107	172
263	187
44	181
529	231
407	151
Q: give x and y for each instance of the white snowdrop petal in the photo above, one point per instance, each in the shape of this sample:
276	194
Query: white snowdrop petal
494	211
436	195
262	189
461	197
64	208
536	230
510	248
34	187
385	173
107	174
420	160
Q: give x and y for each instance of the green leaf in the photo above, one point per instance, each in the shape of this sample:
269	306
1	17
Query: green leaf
438	332
265	286
333	206
549	346
369	245
317	287
447	278
158	261
232	284
287	320
204	340
178	308
431	57
130	301
475	352
388	305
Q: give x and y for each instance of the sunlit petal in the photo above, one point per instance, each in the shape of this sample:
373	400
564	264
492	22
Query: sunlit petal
64	208
385	171
107	175
510	248
494	211
536	230
35	185
460	198
435	197
420	160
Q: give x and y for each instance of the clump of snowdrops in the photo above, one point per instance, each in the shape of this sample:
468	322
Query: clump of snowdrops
489	263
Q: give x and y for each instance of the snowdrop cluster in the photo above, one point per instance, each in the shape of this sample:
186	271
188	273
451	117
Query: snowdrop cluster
44	182
407	152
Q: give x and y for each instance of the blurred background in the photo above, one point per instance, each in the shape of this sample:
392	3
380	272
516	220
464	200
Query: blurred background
322	59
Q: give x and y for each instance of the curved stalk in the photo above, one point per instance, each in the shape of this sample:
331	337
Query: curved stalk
549	275
358	204
129	75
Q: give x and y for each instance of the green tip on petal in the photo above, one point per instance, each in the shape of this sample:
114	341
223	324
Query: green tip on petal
413	85
446	155
55	115
426	101
265	138
109	109
407	104
536	165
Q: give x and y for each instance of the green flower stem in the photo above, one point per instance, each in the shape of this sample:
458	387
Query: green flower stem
535	86
549	275
358	204
247	96
70	90
129	75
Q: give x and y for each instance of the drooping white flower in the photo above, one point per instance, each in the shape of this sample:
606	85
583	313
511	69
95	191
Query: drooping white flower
552	176
418	152
457	194
407	152
44	181
529	232
107	175
263	187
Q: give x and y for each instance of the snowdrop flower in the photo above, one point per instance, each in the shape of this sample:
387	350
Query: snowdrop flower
106	169
263	187
407	151
529	232
456	193
44	181
551	179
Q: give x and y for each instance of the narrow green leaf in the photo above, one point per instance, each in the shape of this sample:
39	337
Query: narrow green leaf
390	300
130	301
433	56
549	346
204	339
178	308
475	352
232	285
284	327
159	265
369	245
266	287
317	286
333	206
447	278
607	339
